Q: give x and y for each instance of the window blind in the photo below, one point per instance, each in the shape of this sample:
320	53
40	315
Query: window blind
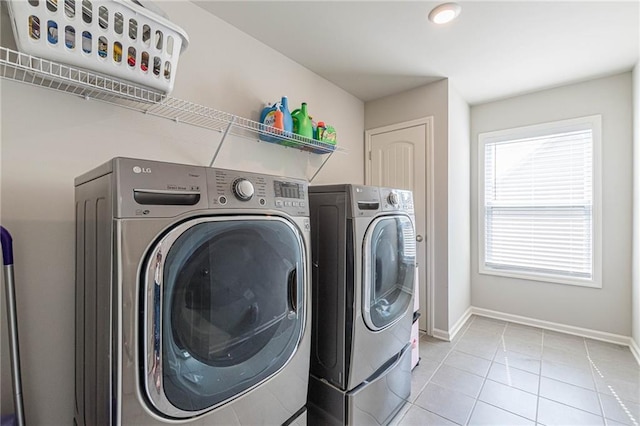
538	204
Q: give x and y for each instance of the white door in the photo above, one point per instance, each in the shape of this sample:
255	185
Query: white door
397	157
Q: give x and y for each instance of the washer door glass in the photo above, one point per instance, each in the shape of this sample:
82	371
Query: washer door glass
390	259
229	299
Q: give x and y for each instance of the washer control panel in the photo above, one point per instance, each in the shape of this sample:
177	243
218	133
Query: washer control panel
237	189
148	188
396	199
243	189
371	200
290	194
393	198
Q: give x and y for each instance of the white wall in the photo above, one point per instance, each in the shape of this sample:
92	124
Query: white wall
48	138
607	309
459	207
636	207
451	183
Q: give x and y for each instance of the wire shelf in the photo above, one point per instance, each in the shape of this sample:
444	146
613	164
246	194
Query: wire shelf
40	72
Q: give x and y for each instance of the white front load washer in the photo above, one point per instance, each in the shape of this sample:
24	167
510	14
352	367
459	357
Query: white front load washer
192	296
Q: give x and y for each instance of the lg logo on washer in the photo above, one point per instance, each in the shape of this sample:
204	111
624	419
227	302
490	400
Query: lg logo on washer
138	169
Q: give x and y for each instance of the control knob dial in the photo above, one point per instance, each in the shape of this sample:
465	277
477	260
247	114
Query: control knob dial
243	189
393	199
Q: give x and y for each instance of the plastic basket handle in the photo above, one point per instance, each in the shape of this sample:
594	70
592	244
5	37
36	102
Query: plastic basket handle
7	246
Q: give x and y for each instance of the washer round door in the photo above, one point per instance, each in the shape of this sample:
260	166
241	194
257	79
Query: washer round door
223	310
389	252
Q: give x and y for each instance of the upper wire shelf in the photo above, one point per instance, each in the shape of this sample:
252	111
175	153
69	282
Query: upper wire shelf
40	72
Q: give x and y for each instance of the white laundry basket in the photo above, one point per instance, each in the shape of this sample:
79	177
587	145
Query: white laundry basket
118	38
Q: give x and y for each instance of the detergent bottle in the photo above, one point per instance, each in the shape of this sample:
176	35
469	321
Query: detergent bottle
268	118
326	137
286	115
278	122
277	116
301	122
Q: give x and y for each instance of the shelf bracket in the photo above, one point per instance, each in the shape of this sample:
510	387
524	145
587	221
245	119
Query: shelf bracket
224	136
321	166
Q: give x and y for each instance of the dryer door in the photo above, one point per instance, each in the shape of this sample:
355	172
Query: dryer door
223	310
389	252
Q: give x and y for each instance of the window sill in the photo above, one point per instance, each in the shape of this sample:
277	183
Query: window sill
550	279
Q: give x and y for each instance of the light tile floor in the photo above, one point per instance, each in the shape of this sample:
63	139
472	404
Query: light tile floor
501	373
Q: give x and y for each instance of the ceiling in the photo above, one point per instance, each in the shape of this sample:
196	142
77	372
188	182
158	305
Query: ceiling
495	49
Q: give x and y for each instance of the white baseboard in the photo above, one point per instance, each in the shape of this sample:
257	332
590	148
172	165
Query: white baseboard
635	349
453	331
548	325
441	334
460	323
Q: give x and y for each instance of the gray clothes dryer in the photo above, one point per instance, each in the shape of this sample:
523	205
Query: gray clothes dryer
192	296
363	256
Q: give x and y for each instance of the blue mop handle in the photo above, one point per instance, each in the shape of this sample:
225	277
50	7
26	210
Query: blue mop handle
7	246
10	292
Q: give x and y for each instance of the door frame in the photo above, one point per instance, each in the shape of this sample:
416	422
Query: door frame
429	201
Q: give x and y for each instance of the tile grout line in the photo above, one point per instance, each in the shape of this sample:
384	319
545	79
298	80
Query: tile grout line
540	377
440	363
509	367
484	379
447	356
545	335
592	369
595	369
466	421
452	349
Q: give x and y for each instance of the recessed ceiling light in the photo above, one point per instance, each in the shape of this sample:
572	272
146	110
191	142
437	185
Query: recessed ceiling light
444	13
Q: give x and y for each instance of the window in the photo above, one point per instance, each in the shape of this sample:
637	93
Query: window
539	202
